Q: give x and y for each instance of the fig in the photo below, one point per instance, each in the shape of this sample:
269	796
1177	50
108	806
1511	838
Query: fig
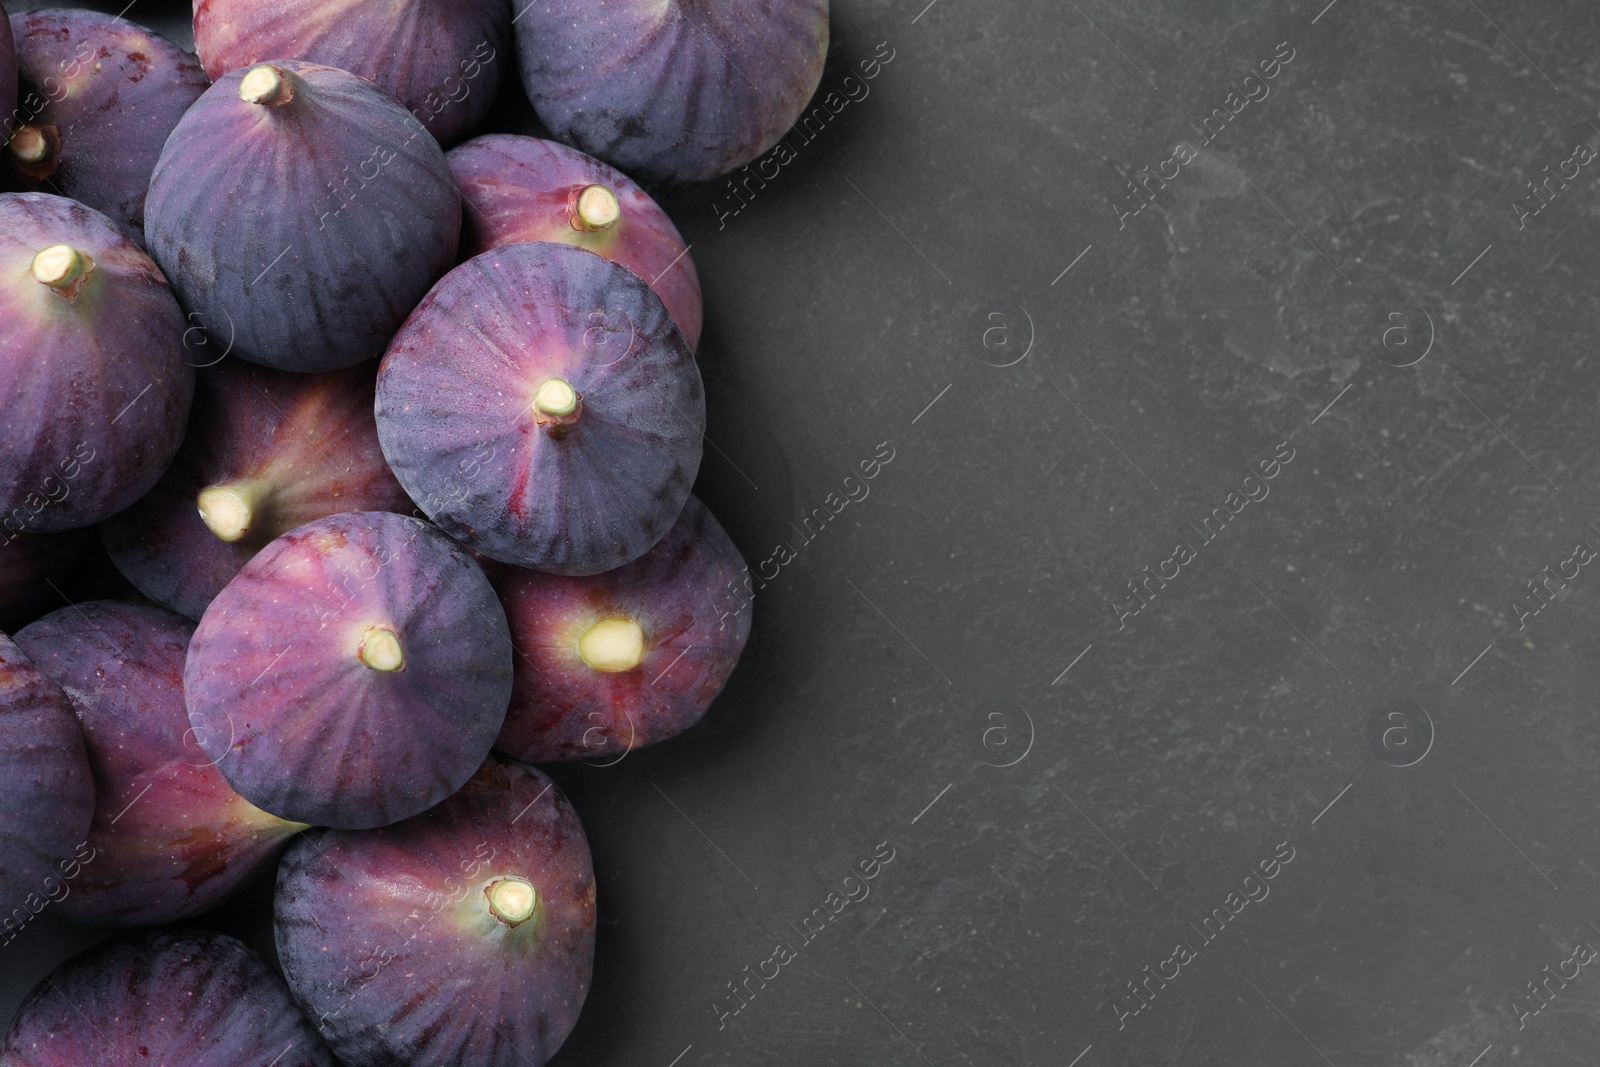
442	59
174	998
540	406
266	451
30	564
94	389
354	673
613	661
112	92
672	91
8	78
46	789
524	189
170	839
301	214
464	935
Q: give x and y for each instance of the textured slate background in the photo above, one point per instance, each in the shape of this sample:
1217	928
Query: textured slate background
1352	667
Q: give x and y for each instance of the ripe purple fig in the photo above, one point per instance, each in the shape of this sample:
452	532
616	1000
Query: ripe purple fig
9	118
523	189
266	451
94	389
113	91
174	998
464	935
672	91
541	407
354	673
442	59
46	790
301	214
170	838
29	565
630	657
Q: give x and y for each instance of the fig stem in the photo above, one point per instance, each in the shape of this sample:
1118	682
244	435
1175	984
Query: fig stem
380	649
62	267
612	645
596	209
30	145
231	509
512	900
556	398
265	85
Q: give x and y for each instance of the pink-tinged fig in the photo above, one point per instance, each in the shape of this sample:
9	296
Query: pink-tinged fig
46	790
301	214
169	998
613	661
94	389
9	116
170	839
354	673
266	451
523	189
541	407
672	91
29	565
112	92
464	935
442	59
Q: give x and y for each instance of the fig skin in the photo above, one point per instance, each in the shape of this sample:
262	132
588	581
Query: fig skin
282	696
113	92
299	233
660	89
576	494
46	789
170	838
29	563
8	78
442	59
300	446
388	943
685	597
524	189
94	390
180	998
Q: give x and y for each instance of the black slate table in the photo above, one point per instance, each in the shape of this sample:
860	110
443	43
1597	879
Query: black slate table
1207	674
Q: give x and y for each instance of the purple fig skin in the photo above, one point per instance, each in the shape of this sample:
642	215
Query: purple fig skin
291	691
298	447
389	944
113	93
46	789
94	390
442	59
573	494
660	89
173	998
300	232
29	563
523	189
170	838
8	79
688	597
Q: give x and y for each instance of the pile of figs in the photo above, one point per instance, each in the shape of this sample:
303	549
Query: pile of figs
345	474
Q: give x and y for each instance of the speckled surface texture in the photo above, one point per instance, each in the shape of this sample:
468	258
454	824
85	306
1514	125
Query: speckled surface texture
1348	670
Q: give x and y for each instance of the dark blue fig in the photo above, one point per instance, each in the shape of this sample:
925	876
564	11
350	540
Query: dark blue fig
46	790
462	936
524	189
171	998
301	214
354	673
113	91
170	839
442	59
266	451
94	389
541	407
30	564
613	661
682	90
